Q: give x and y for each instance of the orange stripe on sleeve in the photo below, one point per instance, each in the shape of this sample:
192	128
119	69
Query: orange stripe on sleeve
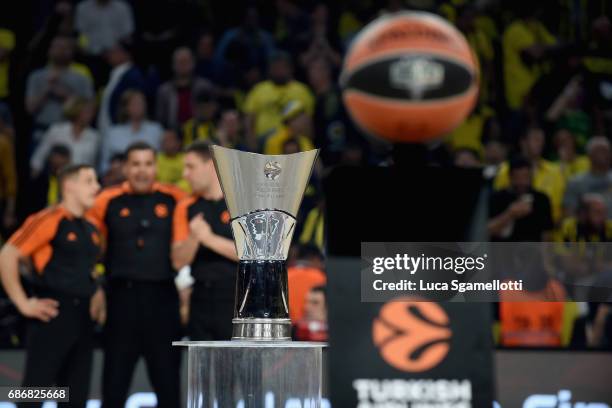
29	224
172	190
97	213
180	220
37	232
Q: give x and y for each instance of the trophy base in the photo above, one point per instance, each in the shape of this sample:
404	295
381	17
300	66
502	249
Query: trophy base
259	329
253	374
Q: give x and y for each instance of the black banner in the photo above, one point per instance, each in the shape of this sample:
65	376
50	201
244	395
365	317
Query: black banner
405	353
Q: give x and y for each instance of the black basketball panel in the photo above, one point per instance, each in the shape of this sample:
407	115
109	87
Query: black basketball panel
414	77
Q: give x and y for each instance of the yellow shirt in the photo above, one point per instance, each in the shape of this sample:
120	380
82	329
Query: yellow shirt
313	232
482	47
7	41
348	24
4	79
204	131
581	164
547	178
598	64
569	232
519	78
469	133
170	170
274	145
53	194
267	100
81	69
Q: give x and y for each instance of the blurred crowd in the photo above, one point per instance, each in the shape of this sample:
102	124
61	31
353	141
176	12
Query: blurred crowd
82	80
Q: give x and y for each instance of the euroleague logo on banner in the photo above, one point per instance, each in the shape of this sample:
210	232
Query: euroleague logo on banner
412	336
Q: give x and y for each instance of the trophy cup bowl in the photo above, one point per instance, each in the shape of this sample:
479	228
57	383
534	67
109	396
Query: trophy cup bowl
263	195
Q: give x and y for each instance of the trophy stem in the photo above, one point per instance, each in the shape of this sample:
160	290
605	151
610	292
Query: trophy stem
261	311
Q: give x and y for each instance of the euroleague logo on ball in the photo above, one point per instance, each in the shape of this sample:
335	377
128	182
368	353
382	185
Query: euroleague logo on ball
412	336
272	170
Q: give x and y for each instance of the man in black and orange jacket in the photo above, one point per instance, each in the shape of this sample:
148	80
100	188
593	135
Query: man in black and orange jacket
64	247
142	301
202	238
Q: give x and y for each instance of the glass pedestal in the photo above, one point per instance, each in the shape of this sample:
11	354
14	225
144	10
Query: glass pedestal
253	374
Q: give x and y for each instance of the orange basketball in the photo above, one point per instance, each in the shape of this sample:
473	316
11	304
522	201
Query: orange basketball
409	77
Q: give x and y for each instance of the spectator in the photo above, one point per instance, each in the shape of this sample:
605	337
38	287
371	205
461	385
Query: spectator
567	112
45	188
466	158
202	125
580	263
175	98
7	43
265	102
318	45
601	333
60	22
525	43
6	121
292	26
205	66
519	212
291	146
495	152
229	131
49	87
591	223
352	17
547	176
471	132
482	44
247	80
494	156
313	226
134	127
103	23
114	175
597	75
226	80
570	162
597	180
538	315
297	125
75	133
245	46
161	30
305	273
330	120
8	185
124	76
170	160
313	327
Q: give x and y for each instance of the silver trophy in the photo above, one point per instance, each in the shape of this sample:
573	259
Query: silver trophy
263	194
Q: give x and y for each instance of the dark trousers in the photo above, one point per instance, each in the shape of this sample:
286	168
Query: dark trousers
60	352
142	320
211	311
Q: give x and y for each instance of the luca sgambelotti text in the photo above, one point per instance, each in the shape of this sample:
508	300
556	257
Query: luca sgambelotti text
457	265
